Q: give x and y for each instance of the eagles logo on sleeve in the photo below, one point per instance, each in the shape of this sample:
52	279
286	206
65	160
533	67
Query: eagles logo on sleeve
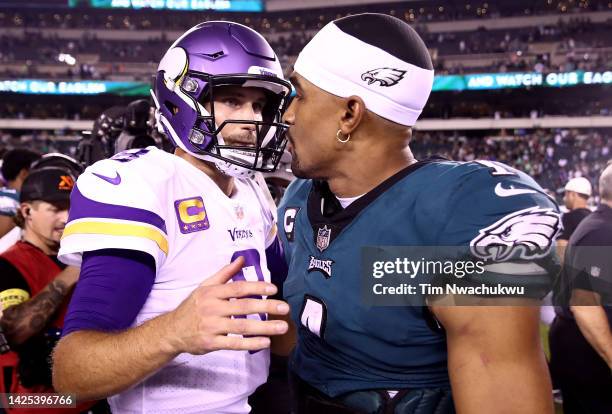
529	232
384	76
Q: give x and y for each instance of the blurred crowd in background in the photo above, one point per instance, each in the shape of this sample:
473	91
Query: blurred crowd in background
35	39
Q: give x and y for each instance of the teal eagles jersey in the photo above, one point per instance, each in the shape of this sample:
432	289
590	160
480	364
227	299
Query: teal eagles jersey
344	345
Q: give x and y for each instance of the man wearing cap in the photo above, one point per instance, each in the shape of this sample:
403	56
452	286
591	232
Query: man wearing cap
34	286
52	159
577	193
581	334
361	84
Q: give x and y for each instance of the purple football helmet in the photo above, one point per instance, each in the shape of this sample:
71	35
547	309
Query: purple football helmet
214	54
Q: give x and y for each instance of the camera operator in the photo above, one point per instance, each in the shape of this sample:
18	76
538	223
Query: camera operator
121	128
100	142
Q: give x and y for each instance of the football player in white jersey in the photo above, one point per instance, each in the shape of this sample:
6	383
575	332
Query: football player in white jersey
151	325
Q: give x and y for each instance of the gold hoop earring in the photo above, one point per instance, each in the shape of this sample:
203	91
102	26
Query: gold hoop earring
345	140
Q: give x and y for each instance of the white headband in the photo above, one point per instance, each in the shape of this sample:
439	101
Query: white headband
344	65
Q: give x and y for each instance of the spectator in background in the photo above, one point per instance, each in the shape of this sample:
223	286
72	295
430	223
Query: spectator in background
35	286
47	160
15	168
581	337
577	193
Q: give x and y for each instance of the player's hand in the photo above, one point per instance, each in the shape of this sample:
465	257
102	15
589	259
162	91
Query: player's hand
203	322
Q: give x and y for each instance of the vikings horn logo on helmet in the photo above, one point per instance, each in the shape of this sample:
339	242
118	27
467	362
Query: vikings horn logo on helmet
384	76
529	232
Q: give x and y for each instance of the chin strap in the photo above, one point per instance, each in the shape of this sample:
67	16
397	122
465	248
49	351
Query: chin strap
233	170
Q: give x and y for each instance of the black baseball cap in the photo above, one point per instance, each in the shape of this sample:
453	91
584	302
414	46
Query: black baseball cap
50	184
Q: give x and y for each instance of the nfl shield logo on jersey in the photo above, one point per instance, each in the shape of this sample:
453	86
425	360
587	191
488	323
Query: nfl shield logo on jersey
323	236
239	210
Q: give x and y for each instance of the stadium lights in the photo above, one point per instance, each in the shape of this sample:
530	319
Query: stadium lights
67	58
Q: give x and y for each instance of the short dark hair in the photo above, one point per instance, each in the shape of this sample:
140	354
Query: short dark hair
390	34
16	160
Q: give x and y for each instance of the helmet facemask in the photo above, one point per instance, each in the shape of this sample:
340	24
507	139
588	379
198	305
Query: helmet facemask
268	143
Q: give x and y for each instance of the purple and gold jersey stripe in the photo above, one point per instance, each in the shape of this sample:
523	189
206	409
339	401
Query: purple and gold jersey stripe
82	207
117	229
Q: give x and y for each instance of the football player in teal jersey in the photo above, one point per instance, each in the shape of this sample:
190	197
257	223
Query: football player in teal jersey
361	84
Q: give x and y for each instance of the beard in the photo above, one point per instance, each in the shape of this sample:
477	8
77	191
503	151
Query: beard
242	138
239	139
296	166
300	171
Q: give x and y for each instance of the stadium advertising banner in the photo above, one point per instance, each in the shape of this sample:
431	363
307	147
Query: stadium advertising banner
221	5
481	81
486	81
44	87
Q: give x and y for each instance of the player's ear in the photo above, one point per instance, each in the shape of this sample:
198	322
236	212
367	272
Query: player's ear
25	209
354	111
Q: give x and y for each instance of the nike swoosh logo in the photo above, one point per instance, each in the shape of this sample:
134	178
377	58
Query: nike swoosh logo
508	192
114	181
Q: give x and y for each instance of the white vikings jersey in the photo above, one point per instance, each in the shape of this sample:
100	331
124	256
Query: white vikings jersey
158	203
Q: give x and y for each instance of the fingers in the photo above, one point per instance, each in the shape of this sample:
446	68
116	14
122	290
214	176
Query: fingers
215	313
237	343
225	274
226	290
252	306
244	289
252	327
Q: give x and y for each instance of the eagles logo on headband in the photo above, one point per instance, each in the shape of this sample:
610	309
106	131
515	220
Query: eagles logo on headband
376	57
210	55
